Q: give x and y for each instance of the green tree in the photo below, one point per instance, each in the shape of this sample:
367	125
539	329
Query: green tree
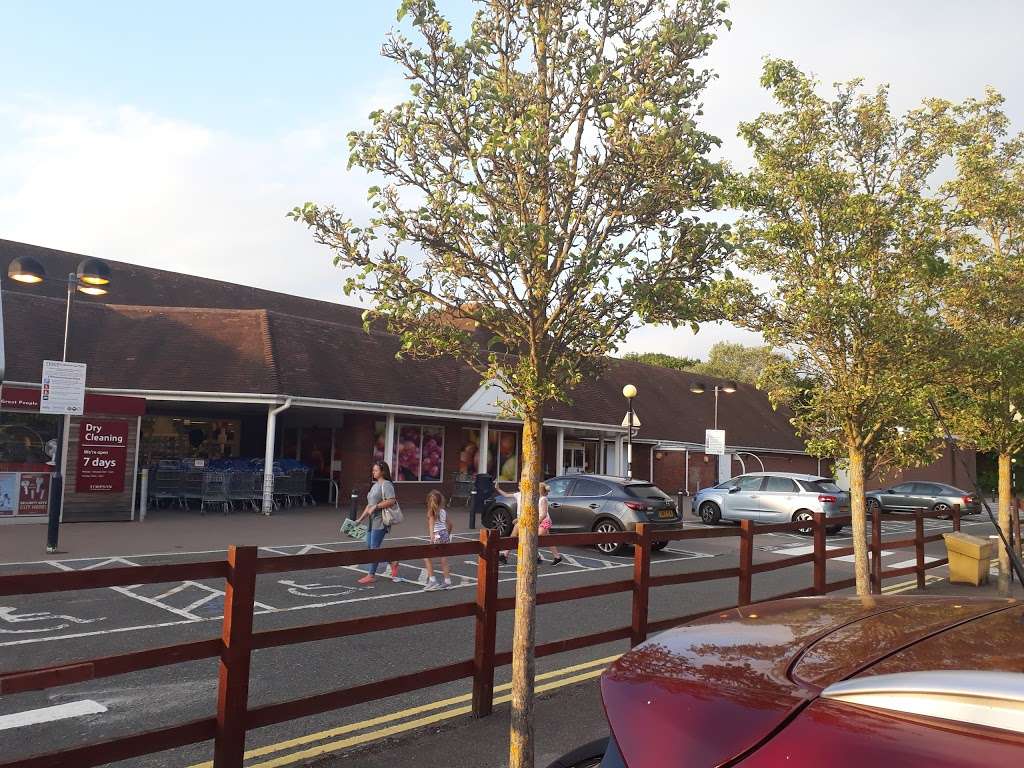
662	360
543	182
728	360
984	294
838	216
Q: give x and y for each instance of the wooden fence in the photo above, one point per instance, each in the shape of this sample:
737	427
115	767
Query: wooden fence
233	717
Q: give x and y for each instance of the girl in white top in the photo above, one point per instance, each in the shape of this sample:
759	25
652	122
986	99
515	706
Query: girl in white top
439	529
543	520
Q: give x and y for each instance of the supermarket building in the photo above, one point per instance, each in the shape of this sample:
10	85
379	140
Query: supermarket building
187	368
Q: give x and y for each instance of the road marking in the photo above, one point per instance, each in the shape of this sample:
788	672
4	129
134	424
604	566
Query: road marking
906	586
404	713
11	616
913	561
49	714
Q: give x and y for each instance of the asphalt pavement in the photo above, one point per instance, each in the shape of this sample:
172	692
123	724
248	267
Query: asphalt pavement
39	630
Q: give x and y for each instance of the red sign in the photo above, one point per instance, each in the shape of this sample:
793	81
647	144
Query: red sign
34	493
102	455
27	399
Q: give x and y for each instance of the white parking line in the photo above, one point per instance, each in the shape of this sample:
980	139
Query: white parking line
50	714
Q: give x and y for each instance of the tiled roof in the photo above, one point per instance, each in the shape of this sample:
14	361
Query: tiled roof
245	340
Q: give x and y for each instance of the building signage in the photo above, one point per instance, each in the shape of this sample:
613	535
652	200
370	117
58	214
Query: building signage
102	456
8	493
714	442
34	493
63	389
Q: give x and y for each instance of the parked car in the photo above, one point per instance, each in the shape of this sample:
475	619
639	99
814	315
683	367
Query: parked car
773	497
843	682
938	497
583	503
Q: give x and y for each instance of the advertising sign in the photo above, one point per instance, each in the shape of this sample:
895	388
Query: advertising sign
714	442
8	493
34	493
102	456
63	388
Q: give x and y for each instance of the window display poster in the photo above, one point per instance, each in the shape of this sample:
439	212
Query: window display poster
33	493
419	451
102	456
502	454
8	493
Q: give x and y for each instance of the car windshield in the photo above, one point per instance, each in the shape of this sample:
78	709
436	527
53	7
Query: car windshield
822	486
646	491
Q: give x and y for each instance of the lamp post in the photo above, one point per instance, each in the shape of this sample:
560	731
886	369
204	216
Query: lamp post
91	278
728	387
629	392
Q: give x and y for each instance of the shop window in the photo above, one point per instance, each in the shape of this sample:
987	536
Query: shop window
419	451
502	453
167	437
27	445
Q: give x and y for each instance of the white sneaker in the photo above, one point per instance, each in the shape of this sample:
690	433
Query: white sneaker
448	583
432	586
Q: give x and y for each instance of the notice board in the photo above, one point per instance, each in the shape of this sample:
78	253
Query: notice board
102	455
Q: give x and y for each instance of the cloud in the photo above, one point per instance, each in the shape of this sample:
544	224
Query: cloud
134	186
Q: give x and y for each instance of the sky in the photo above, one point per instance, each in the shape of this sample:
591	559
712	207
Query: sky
178	135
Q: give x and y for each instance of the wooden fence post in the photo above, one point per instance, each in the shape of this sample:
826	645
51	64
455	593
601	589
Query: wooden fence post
876	550
235	657
956	517
819	554
746	561
919	545
641	586
486	624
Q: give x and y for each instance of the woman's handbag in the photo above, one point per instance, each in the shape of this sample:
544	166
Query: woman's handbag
392	515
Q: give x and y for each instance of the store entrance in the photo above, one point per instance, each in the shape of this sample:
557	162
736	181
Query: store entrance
579	456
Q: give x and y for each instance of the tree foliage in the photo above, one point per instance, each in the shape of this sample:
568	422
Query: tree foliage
983	297
663	360
739	362
544	183
838	216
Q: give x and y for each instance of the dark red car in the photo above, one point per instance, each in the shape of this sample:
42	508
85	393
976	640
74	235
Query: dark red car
859	682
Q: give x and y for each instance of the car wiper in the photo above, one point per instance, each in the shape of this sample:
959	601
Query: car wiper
1015	563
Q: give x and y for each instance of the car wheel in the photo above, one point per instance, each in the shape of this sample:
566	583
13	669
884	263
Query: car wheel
658	546
608	525
588	756
943	510
804	516
832	530
710	514
500	519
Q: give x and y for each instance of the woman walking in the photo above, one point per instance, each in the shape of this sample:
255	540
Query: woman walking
380	497
543	520
439	529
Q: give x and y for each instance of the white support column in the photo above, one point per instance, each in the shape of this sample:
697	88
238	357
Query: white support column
600	456
268	456
389	441
619	471
481	454
560	451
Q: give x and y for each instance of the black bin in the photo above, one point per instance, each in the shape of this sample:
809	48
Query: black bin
483	487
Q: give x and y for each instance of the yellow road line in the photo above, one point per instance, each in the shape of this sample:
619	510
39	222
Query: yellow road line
404	713
364	738
906	586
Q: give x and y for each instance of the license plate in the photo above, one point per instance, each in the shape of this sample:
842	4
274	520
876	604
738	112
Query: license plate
667	513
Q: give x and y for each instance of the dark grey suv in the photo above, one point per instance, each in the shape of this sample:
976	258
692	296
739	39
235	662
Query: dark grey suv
581	503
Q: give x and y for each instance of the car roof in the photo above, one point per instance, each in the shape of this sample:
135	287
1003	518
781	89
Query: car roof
793	475
605	478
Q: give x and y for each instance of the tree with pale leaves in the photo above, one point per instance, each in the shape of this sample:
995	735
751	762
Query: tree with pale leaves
543	189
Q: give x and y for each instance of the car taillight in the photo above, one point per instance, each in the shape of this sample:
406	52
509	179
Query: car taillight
967	500
825	499
636	506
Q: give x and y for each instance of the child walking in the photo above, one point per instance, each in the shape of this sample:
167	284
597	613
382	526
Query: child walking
543	521
439	529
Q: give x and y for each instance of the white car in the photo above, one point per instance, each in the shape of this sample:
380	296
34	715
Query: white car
773	497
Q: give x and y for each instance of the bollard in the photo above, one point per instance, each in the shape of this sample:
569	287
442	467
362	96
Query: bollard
144	494
679	501
472	509
355	501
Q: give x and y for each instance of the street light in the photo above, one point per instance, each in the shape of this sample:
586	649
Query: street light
91	278
629	392
728	387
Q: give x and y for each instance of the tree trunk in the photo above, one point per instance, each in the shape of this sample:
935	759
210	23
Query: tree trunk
859	522
521	735
1005	499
